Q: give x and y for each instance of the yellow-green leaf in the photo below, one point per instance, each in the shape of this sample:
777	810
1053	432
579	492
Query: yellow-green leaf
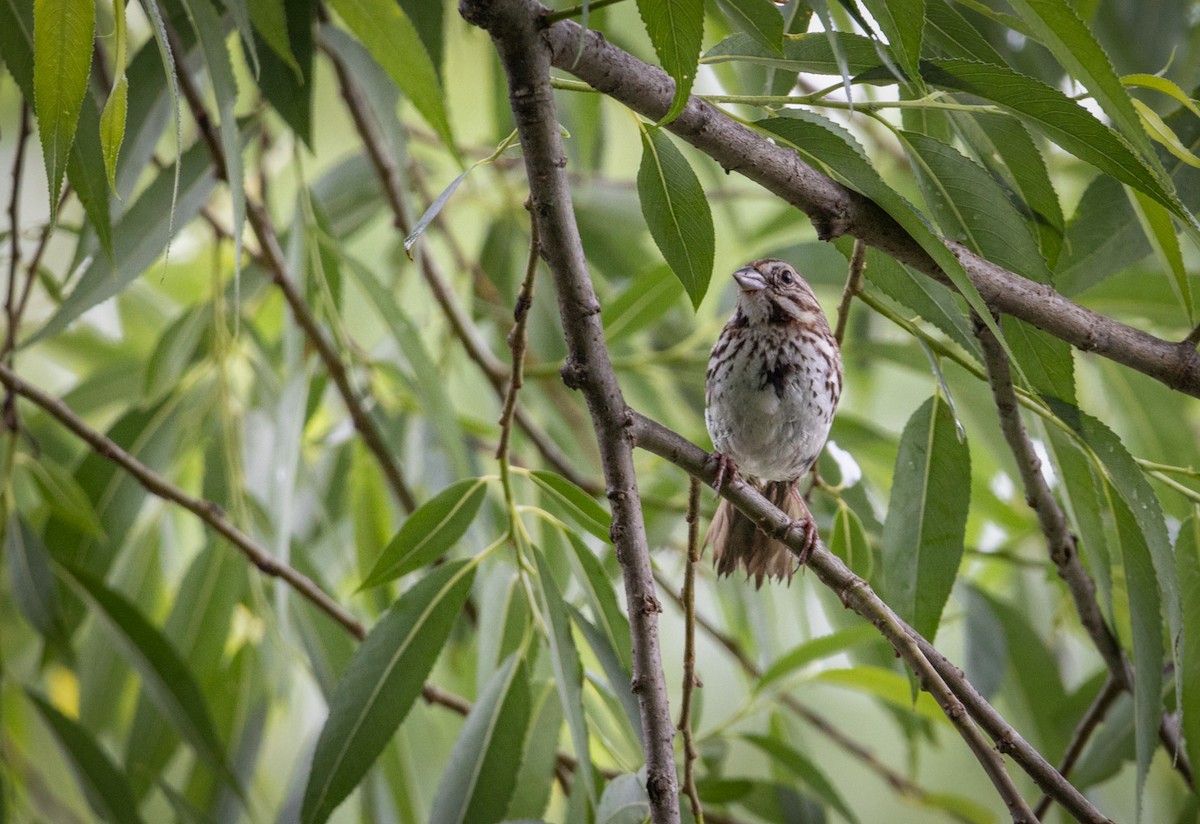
112	128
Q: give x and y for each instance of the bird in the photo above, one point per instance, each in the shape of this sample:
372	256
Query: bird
773	383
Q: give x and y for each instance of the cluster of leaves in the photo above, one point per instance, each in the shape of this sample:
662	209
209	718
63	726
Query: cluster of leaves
178	683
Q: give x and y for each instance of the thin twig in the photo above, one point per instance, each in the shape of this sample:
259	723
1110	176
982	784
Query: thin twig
1083	731
272	255
956	696
858	262
690	681
516	342
519	40
11	422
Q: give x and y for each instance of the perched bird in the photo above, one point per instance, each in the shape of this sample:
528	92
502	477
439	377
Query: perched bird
774	380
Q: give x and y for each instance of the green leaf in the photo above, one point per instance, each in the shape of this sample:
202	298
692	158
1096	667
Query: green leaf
478	781
1062	120
1165	135
625	801
923	295
534	782
646	300
269	19
112	128
429	532
676	211
383	680
809	774
850	543
616	673
903	23
33	585
599	590
568	671
1162	84
290	90
581	506
1160	231
886	685
810	53
1103	238
949	33
389	35
62	60
676	28
63	494
927	516
1187	561
138	238
1145	603
104	785
831	147
1081	498
165	676
760	19
1046	361
814	650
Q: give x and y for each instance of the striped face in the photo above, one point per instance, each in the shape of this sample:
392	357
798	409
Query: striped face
772	291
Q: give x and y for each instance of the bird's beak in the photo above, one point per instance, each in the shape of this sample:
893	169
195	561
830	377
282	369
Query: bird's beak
750	279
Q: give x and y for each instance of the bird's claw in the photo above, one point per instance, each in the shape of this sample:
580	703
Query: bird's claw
726	470
809	527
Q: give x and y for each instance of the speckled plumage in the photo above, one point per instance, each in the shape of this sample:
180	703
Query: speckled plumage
774	381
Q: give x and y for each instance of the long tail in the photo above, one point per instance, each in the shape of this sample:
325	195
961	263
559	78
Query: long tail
737	541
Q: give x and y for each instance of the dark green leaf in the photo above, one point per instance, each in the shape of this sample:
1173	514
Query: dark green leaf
676	210
948	32
112	127
795	763
65	497
389	35
288	90
1081	497
1187	560
923	295
811	53
616	673
269	18
380	685
478	780
33	585
1046	361
62	60
103	784
1160	231
676	28
1102	238
814	650
429	532
927	516
601	595
903	24
582	507
760	19
534	782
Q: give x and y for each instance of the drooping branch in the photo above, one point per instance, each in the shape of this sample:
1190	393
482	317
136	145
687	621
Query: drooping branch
836	210
526	61
954	693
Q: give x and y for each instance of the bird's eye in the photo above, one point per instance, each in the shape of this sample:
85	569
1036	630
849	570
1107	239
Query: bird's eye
786	277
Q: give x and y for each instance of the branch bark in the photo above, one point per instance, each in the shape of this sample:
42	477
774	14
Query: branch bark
526	60
836	210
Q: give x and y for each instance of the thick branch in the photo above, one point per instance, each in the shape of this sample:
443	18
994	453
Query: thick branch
836	211
945	681
275	263
526	62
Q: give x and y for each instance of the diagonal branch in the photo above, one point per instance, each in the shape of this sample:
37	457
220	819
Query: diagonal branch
936	673
526	61
275	263
836	210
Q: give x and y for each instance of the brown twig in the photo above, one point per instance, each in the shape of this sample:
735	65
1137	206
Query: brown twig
526	61
858	262
953	692
690	681
14	264
460	322
1083	731
836	210
516	342
273	258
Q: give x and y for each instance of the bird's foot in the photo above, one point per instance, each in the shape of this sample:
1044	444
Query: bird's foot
809	529
726	470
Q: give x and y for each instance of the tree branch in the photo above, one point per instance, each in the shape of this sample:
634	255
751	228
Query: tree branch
688	601
526	61
1087	725
935	673
275	263
836	210
858	262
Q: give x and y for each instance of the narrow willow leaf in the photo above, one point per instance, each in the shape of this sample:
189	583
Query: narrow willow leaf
383	680
1046	361
581	506
949	33
1081	497
760	19
568	671
1160	232
986	654
887	685
478	781
33	585
389	35
1062	120
1162	84
814	650
676	28
62	60
1145	603
435	208
601	595
616	673
429	532
112	128
138	238
903	24
925	296
810	53
809	774
1187	560
535	780
648	297
625	801
63	494
676	211
1059	27
165	676
104	786
287	88
1165	135
1103	238
830	146
927	516
270	21
850	543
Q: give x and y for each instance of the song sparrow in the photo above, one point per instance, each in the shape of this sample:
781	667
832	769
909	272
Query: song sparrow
774	379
